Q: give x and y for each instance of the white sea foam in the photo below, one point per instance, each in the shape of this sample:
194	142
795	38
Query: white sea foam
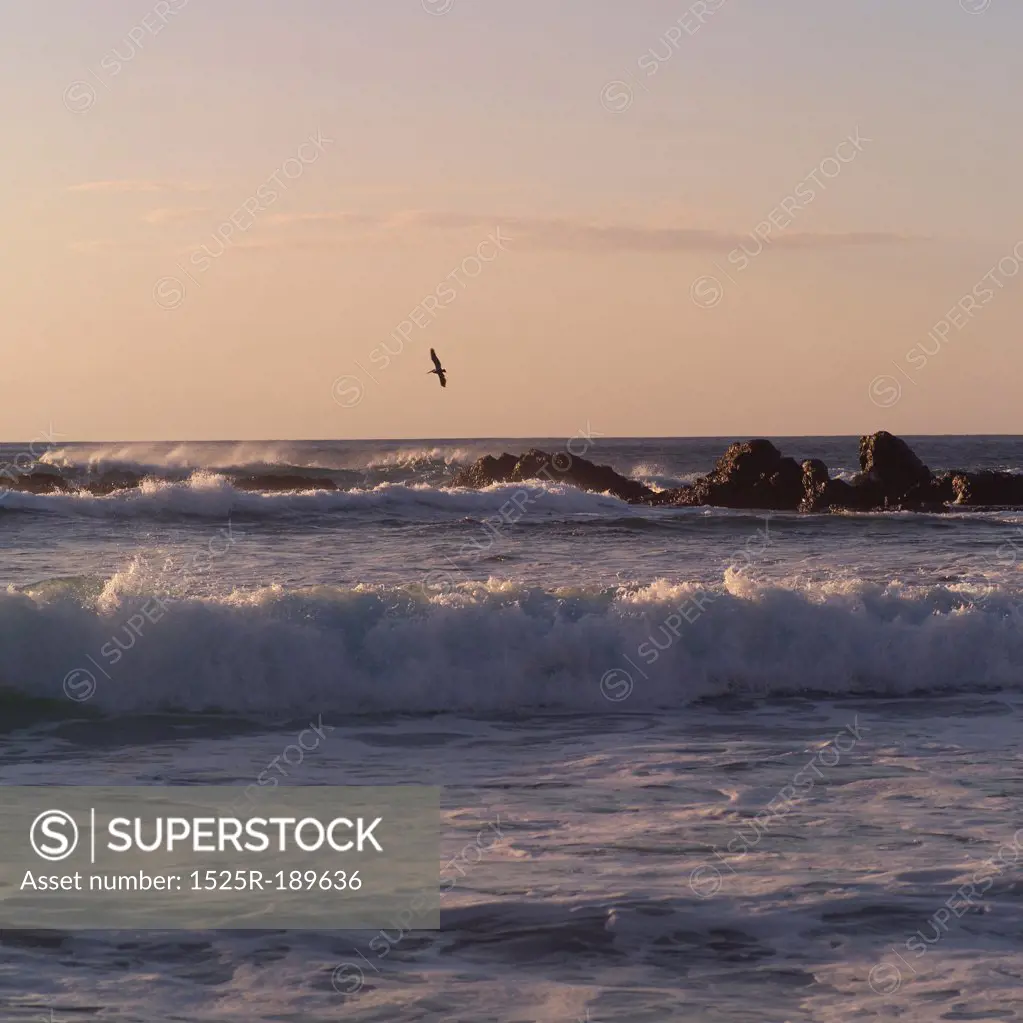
210	495
500	647
411	458
152	458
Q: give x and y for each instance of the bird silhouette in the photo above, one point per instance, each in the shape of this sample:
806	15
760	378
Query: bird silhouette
438	369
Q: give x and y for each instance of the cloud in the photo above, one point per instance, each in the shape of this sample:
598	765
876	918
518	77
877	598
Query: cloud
578	234
561	232
137	186
167	216
88	245
343	218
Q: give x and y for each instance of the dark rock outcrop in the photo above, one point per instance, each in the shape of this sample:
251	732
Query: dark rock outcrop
861	494
753	474
891	465
559	468
823	494
38	481
942	487
486	471
923	498
816	484
987	488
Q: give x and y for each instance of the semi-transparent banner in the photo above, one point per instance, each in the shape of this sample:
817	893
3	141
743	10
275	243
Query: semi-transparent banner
207	857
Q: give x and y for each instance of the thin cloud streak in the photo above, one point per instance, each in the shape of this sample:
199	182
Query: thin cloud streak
167	216
341	217
137	186
563	233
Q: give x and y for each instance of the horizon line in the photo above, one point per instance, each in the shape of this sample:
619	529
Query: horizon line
524	437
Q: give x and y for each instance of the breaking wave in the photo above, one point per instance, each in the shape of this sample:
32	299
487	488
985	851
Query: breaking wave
170	460
498	647
211	495
413	458
154	459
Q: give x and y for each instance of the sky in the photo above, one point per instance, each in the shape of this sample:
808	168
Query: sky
248	219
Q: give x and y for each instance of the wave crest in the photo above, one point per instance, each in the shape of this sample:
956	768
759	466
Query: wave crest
500	647
209	495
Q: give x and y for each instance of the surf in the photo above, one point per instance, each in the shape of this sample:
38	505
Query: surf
498	647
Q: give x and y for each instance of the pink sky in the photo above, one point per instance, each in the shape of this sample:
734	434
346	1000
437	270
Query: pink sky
246	220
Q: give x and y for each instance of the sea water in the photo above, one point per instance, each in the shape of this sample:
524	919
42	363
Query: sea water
697	764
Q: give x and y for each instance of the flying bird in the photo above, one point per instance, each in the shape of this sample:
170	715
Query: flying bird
438	369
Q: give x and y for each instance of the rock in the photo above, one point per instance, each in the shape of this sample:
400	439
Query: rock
943	486
862	494
745	463
755	475
486	471
925	497
892	478
679	497
559	468
282	483
816	480
582	473
787	484
39	481
988	488
113	480
891	463
752	474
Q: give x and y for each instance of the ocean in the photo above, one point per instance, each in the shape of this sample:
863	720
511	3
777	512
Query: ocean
697	764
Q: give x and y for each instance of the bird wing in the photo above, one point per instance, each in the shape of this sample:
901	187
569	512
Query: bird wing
436	361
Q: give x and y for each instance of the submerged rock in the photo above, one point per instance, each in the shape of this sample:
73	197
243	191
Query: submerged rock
38	481
282	483
114	480
559	468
